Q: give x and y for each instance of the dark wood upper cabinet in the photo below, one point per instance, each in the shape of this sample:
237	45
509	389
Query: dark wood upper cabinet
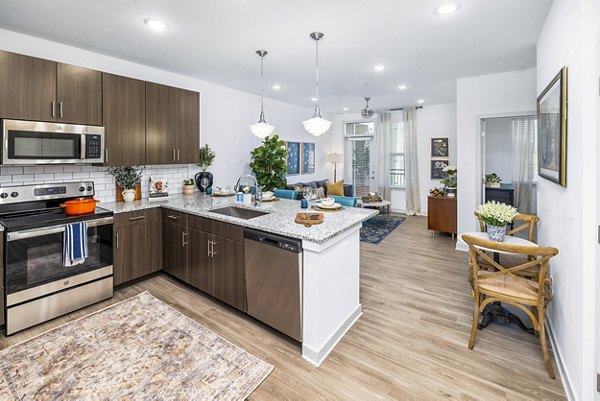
172	125
188	126
78	95
27	87
124	105
161	117
43	90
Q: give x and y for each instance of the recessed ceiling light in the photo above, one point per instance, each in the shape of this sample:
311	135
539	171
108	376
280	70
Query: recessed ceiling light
402	87
345	109
448	7
276	87
420	101
156	24
314	99
379	67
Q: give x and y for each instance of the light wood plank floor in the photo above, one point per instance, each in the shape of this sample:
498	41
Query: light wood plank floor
410	343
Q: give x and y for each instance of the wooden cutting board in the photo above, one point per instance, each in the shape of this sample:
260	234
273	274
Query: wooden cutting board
309	219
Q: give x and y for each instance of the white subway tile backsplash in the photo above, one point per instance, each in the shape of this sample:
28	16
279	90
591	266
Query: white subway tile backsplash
43	177
22	178
79	176
89	168
53	169
72	169
31	170
11	170
63	176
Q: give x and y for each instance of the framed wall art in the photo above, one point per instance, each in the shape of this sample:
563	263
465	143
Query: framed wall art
293	157
439	147
308	157
552	130
436	168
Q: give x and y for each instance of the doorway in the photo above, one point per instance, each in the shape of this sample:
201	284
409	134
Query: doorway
509	161
359	145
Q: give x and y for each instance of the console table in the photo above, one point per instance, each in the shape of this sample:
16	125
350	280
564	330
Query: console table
441	214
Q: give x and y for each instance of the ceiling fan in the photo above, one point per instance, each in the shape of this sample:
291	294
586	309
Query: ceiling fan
367	112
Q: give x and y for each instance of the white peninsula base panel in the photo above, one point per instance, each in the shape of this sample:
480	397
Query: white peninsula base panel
330	295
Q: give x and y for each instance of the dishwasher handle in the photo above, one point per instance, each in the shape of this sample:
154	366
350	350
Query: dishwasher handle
277	241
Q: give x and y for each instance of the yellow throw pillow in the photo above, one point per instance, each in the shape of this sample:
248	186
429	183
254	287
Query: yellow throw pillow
335	189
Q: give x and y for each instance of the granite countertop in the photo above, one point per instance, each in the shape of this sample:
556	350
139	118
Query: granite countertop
279	220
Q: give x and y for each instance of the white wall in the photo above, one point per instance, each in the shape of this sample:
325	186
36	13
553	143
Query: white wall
569	215
436	120
225	113
496	95
498	148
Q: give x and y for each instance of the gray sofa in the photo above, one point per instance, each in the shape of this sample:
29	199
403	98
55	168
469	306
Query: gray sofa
348	188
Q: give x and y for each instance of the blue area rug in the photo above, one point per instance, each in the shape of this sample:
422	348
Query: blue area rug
377	228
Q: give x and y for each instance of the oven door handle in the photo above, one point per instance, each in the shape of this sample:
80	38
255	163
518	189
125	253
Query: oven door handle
38	232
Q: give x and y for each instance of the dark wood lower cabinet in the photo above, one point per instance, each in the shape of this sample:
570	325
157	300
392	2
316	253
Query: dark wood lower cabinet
138	244
441	214
229	279
175	258
199	260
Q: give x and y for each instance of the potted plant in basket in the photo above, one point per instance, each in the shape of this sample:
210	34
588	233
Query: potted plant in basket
188	186
206	156
450	180
496	217
492	180
127	178
269	163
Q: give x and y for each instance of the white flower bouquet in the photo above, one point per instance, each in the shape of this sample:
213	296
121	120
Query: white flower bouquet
497	214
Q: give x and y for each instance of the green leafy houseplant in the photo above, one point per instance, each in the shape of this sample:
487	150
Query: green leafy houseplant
206	156
127	177
492	179
497	214
269	163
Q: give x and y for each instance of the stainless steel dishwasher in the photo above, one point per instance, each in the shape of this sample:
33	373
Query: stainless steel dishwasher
274	280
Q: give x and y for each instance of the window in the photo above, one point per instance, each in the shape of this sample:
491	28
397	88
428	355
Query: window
397	153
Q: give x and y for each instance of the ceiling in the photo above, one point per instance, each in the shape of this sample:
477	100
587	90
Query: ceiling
216	40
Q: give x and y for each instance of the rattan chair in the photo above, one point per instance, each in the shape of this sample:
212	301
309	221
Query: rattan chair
507	285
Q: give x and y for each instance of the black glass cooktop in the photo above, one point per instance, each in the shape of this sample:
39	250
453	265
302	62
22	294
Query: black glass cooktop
29	219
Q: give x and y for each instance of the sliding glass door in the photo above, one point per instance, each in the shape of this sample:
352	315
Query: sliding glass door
362	173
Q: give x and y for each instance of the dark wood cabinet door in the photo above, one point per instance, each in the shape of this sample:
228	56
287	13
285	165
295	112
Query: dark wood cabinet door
124	108
79	95
441	214
27	87
174	250
154	240
188	126
161	124
129	253
199	261
229	279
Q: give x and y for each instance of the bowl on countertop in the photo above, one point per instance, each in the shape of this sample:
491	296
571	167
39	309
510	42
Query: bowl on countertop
267	195
327	201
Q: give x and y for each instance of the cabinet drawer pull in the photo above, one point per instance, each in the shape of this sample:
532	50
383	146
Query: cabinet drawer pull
177	154
106	155
137	218
209	254
60	109
172	217
183	235
212	249
117	241
53	103
174	158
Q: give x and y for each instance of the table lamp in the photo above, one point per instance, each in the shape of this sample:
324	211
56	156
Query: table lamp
334	158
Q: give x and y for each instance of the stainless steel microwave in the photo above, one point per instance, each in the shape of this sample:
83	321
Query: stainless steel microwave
31	142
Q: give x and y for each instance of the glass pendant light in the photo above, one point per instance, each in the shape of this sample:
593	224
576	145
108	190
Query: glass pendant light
261	129
317	125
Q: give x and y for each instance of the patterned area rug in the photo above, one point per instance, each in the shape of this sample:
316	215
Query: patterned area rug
377	228
140	348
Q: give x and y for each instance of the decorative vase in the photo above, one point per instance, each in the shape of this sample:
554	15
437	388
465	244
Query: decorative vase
198	178
450	192
188	189
493	184
129	195
496	233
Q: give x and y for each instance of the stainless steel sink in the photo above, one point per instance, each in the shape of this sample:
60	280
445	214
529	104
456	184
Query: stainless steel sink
239	212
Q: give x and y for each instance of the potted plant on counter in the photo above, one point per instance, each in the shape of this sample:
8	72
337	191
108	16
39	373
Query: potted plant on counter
496	217
206	156
269	163
188	186
127	179
492	180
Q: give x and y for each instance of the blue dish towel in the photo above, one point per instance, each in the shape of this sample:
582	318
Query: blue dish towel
75	244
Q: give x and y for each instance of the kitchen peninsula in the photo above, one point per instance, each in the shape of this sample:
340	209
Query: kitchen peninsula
330	267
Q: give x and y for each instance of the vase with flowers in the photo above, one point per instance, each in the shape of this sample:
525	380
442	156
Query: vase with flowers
128	180
497	216
449	180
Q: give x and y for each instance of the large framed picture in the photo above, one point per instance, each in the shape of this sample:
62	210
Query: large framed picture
439	147
293	158
308	157
552	130
437	167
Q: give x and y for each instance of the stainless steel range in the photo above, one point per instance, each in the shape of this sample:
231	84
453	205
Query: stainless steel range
39	286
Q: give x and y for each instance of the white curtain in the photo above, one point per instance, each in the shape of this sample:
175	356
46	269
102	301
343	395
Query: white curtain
411	162
523	148
382	163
